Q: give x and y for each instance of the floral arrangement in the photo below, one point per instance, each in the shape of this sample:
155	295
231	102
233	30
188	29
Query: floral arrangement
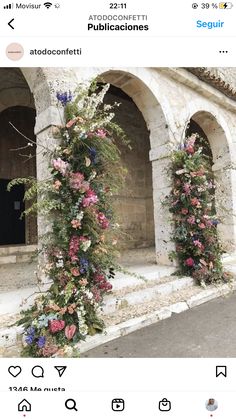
191	203
81	247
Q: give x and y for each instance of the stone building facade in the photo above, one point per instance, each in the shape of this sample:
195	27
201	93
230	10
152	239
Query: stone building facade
157	106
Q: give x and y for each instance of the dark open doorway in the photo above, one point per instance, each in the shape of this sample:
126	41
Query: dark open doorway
12	227
17	160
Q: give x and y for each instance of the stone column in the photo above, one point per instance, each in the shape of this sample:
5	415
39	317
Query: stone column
225	199
45	131
44	83
160	157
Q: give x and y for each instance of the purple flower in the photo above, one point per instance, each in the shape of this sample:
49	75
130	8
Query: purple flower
64	98
31	330
41	341
215	222
29	339
30	335
93	155
84	264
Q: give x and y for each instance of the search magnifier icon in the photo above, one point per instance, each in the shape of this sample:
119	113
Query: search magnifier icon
71	404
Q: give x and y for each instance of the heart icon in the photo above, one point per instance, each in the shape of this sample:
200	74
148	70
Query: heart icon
14	371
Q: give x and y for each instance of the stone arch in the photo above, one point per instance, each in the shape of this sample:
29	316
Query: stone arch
17	107
14	90
159	136
225	202
134	201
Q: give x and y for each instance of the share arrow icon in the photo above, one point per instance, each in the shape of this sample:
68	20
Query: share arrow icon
60	370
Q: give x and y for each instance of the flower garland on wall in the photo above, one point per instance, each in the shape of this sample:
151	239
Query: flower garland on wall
85	173
191	203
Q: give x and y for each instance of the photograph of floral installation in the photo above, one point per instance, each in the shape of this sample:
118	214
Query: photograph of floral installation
117	209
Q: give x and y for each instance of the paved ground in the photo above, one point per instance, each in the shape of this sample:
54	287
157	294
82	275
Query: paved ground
205	331
17	275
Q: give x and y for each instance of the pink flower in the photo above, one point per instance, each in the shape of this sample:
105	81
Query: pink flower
57	184
78	183
189	262
74	248
191	219
96	294
103	221
76	224
184	211
187	188
101	133
49	350
72	122
102	282
76	180
198	244
189	149
75	272
202	226
90	198
199	173
60	165
99	277
70	331
195	202
83	282
56	325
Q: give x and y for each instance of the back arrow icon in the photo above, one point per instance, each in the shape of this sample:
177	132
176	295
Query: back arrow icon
9	23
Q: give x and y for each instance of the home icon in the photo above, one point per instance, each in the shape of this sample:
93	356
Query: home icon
24	406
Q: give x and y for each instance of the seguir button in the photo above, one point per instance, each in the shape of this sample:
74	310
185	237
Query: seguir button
210	25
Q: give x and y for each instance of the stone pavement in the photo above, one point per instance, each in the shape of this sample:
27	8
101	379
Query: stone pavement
205	331
17	276
134	304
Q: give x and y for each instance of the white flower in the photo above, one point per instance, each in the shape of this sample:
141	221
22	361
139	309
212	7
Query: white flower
93	175
68	350
60	263
85	245
89	294
80	216
83	329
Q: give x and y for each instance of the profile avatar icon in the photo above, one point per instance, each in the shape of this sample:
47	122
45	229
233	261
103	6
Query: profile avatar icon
211	405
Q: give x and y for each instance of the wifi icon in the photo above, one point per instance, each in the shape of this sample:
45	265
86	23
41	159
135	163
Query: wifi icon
47	4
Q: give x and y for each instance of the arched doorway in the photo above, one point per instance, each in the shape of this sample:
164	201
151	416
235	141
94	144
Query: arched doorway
17	119
156	154
134	204
206	125
17	159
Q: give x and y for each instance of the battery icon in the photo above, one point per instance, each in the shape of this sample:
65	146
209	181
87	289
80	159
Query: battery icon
226	5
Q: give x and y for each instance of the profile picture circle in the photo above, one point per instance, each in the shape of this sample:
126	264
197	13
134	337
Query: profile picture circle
211	405
14	51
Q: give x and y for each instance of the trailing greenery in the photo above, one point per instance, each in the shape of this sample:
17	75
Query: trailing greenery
86	172
191	203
